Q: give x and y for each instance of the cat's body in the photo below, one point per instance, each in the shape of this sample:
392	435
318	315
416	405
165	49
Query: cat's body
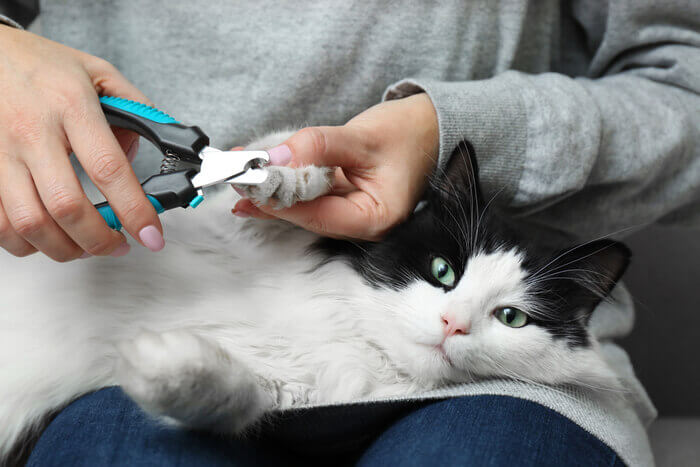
239	317
61	325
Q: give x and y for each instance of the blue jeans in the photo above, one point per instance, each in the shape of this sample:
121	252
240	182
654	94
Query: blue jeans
107	429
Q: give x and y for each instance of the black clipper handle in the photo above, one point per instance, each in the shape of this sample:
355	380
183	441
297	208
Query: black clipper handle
164	191
171	137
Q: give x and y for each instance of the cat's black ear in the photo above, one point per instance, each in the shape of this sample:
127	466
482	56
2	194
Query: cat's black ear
593	270
459	180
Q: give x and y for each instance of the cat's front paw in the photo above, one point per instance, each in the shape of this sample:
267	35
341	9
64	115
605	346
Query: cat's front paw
187	379
286	186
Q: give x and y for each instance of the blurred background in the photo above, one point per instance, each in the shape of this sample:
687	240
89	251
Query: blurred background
664	345
664	279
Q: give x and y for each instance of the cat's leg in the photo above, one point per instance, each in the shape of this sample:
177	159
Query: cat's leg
189	380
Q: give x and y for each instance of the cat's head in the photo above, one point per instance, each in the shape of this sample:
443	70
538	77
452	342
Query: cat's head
466	296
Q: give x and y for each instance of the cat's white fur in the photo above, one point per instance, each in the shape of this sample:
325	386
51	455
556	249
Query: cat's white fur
234	318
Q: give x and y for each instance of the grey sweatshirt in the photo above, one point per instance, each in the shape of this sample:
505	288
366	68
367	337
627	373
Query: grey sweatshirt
585	115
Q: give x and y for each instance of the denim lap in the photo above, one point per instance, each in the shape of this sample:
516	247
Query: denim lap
106	428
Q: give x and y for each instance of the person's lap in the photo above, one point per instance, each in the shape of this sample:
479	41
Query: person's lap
106	428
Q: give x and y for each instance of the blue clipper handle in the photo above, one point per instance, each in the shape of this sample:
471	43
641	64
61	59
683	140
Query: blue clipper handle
169	135
164	191
111	219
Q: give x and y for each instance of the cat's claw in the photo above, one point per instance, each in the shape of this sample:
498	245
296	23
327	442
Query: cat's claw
191	381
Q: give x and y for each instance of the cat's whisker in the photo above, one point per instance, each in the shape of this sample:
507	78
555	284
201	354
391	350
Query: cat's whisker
583	245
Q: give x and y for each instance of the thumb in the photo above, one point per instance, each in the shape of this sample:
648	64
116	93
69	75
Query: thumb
330	146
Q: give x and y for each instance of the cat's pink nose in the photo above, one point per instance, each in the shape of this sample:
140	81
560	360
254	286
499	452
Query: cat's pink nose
454	325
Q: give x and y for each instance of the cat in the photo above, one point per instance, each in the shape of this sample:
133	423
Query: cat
240	317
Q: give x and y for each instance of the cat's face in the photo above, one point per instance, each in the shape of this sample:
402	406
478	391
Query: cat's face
466	298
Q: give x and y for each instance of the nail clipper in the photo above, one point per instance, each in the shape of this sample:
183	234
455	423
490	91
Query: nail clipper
173	188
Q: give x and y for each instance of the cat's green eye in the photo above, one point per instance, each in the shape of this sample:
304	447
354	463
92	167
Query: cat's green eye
511	317
442	271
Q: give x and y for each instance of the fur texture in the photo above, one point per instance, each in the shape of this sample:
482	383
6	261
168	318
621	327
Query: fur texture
238	317
286	186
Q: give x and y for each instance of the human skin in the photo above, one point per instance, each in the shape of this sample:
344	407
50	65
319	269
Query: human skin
384	155
49	107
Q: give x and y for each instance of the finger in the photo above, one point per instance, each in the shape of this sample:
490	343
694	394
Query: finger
28	217
341	184
10	240
66	202
107	80
329	146
356	215
128	141
246	208
105	163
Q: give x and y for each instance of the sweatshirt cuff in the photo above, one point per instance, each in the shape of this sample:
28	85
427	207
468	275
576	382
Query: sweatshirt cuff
488	114
10	22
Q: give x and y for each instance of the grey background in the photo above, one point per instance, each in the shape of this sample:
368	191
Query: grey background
664	279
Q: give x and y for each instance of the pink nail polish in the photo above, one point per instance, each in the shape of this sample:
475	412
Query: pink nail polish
133	150
280	155
152	238
241	214
85	255
121	250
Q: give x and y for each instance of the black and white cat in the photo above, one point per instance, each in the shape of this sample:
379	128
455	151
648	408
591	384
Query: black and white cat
238	317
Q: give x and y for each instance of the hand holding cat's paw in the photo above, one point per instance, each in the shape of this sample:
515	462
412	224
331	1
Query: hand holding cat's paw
385	155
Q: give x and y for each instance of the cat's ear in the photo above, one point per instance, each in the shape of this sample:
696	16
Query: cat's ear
594	269
459	180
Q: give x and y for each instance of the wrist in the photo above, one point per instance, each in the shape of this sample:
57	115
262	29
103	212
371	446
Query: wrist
427	124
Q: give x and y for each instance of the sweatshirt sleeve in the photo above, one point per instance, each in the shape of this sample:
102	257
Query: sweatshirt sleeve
593	155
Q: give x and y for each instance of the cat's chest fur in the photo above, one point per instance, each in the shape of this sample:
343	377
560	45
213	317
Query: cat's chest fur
250	286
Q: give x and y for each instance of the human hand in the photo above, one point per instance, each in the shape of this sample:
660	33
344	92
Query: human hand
48	107
383	155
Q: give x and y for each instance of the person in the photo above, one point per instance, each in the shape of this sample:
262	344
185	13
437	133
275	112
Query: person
584	117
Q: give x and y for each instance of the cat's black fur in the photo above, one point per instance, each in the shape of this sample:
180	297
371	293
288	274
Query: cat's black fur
453	221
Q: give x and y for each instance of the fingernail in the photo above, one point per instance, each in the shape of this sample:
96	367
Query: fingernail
133	149
240	213
121	250
280	155
85	255
152	238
